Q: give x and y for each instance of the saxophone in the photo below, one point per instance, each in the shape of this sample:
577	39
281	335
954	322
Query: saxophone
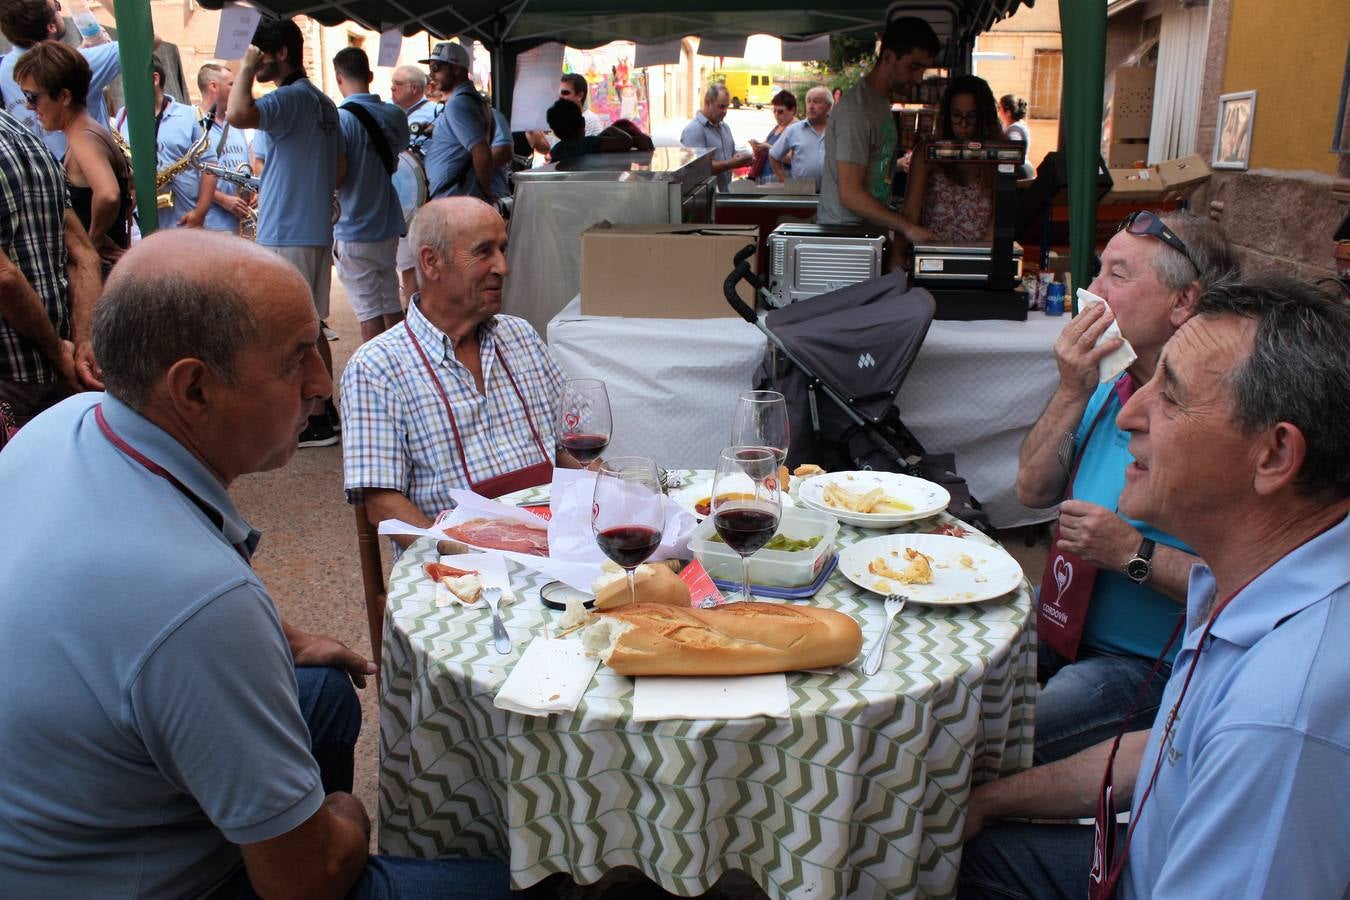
243	178
163	197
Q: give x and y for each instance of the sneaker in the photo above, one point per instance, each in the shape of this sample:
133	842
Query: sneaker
319	433
330	410
328	333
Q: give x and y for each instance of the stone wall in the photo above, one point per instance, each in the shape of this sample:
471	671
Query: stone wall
1278	220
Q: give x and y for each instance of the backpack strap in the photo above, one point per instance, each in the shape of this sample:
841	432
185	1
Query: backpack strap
373	130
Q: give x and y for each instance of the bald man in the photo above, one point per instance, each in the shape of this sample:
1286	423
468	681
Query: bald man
458	396
172	732
800	151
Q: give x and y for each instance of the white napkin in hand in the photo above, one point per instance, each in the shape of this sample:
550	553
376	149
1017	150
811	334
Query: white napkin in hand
709	697
550	677
1117	360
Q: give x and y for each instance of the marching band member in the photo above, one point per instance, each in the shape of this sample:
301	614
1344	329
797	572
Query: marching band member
233	147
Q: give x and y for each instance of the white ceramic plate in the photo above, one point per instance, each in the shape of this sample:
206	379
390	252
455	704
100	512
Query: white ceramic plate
963	571
701	489
926	498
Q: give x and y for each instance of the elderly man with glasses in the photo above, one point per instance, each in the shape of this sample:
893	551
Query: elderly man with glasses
1114	587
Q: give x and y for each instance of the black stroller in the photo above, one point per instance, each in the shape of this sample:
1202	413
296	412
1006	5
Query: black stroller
853	347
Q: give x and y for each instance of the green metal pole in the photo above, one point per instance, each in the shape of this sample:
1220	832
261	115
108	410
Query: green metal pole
1083	26
135	39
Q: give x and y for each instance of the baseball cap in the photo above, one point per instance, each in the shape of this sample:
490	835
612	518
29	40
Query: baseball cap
450	53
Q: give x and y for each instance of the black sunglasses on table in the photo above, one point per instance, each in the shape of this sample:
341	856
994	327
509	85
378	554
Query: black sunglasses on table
1142	222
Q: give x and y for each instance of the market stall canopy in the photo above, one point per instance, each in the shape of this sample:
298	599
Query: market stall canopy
590	23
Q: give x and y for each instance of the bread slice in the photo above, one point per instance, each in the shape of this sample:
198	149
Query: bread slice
736	639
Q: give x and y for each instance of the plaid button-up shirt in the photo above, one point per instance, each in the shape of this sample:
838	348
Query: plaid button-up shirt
395	431
33	204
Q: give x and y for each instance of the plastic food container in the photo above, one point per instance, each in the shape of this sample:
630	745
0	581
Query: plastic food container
771	568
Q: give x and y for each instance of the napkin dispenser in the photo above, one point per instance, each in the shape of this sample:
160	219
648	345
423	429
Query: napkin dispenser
806	260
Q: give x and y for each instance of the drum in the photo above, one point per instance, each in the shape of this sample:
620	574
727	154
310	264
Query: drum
410	180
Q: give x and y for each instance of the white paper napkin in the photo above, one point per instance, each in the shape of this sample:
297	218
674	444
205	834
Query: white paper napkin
491	570
742	697
1117	360
569	529
550	677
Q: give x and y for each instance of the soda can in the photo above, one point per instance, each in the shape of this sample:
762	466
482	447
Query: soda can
1054	300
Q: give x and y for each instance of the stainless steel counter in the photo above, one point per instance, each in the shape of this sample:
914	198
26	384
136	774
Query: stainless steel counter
555	203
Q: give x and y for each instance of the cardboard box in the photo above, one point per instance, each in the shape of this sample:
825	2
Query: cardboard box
1131	115
1126	154
661	271
1181	176
1134	185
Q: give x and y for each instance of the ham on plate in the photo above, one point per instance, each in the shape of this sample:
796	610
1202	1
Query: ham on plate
501	534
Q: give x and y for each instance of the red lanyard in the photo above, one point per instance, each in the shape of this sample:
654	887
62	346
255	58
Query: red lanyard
156	469
449	411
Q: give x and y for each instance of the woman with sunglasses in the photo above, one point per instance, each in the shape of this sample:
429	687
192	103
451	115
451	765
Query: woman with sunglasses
956	200
784	114
55	80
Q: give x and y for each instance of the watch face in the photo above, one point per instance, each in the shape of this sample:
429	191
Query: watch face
1137	569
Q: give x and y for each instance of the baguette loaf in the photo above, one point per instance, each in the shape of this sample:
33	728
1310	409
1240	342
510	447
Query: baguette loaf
655	583
737	639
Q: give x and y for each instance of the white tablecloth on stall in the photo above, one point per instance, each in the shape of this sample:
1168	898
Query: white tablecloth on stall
975	390
672	383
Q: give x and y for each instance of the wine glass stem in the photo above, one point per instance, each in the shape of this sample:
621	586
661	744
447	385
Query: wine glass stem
632	591
745	578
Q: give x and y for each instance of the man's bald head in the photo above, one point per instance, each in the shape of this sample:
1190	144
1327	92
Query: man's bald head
445	223
185	293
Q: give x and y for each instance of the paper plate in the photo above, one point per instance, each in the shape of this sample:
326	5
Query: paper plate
963	571
686	497
925	497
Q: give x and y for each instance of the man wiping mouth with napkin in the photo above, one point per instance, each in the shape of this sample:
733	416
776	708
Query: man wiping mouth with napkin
1113	587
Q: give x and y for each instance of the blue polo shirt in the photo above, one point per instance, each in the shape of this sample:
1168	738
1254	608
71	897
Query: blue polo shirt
179	128
231	152
1251	798
1123	618
460	127
295	206
152	721
105	66
501	137
702	133
370	205
807	149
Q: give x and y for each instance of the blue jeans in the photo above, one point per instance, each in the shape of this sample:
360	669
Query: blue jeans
1021	861
1083	703
333	714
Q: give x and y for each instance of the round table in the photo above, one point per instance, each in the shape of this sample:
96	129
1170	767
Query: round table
859	793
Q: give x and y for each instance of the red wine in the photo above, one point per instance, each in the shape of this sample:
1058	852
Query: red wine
629	545
585	448
745	530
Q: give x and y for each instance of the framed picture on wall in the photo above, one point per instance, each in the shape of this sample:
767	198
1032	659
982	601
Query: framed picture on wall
1233	137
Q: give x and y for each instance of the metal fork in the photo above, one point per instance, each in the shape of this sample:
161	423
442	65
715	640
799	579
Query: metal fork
492	595
894	603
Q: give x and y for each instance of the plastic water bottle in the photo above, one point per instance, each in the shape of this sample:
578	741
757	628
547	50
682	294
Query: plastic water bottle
1054	299
86	23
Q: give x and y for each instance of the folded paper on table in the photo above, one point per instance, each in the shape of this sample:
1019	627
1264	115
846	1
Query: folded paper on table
705	697
569	528
550	677
1117	360
491	571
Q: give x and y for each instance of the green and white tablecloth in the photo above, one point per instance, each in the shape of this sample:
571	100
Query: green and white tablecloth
860	793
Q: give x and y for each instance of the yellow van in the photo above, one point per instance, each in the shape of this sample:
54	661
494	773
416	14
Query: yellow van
747	87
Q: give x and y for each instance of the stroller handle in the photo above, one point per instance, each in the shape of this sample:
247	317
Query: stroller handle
741	273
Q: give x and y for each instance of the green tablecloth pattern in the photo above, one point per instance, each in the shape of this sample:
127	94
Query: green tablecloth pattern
860	793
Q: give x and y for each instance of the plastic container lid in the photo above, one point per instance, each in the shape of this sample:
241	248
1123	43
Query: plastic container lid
772	568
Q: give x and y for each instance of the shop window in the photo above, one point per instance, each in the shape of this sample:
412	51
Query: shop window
1046	70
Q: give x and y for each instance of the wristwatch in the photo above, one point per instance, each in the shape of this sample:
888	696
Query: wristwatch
1141	564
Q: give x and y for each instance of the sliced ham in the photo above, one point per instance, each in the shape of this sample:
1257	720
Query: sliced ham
501	534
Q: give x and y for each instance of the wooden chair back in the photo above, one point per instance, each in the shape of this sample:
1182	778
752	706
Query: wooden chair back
372	577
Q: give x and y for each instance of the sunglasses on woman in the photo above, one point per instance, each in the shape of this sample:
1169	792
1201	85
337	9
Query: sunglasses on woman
32	97
1144	223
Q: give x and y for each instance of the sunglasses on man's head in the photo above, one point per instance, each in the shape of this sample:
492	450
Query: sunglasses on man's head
1142	223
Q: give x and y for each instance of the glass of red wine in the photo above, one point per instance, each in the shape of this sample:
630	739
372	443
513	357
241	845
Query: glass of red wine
762	421
583	423
627	515
747	503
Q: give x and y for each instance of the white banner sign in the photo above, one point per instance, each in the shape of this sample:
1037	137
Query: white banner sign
721	46
238	21
536	89
663	54
391	42
808	50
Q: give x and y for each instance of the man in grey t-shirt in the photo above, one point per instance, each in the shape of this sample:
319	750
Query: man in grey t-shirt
860	142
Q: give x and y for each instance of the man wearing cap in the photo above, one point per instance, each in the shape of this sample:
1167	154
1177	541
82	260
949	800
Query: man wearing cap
305	162
459	155
366	237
